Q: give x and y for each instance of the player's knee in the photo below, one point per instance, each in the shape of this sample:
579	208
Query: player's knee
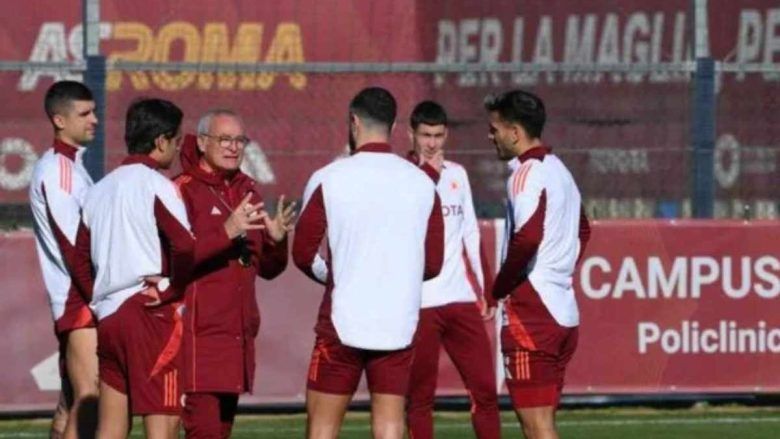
485	397
202	428
317	429
88	392
57	432
387	428
105	431
418	402
537	424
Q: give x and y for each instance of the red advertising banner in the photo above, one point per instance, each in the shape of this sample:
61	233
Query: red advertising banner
617	131
681	306
666	307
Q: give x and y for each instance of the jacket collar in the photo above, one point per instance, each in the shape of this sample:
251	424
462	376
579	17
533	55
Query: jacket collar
375	147
537	152
143	159
215	178
66	149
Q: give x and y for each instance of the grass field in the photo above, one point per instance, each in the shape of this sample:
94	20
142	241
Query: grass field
721	422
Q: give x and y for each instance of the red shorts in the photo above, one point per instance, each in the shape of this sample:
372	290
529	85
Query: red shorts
336	368
138	353
536	350
77	314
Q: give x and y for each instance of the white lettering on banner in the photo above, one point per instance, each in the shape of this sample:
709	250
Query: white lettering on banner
704	271
608	38
469	41
772	287
681	277
587	38
674	282
19	179
579	46
618	160
726	160
628	279
757	31
49	47
587	267
726	337
543	49
733	160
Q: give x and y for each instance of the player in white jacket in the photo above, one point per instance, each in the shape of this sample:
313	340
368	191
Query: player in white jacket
454	306
59	183
548	231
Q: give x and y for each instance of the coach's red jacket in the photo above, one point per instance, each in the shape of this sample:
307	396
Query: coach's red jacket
221	317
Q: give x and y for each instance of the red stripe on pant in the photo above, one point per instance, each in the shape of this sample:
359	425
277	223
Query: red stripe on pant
171	348
459	328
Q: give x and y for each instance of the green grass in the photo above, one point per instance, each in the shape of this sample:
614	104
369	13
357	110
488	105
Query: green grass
722	422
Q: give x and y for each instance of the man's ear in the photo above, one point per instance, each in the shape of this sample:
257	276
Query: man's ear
159	143
392	127
354	120
58	121
410	132
202	143
518	132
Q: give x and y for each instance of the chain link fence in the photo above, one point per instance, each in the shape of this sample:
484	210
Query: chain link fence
617	79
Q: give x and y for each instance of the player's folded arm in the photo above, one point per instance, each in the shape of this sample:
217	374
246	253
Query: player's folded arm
309	233
530	203
182	250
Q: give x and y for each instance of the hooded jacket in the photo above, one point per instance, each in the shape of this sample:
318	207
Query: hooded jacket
221	316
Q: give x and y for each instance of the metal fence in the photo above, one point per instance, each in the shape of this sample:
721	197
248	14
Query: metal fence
660	108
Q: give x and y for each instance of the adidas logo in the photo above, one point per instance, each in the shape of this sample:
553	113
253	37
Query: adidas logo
215	211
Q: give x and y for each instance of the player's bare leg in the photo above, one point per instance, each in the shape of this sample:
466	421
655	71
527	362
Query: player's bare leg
387	416
60	419
161	426
82	366
325	413
113	413
538	422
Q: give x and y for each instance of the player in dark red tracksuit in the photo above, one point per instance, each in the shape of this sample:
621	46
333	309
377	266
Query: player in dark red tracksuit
222	317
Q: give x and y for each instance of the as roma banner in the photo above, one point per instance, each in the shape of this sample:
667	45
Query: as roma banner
666	307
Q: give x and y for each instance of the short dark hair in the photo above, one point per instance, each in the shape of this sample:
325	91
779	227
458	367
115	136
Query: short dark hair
521	107
146	120
60	95
375	106
429	113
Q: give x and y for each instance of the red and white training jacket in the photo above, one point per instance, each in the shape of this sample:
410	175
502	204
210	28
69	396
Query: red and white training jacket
461	278
57	189
548	232
384	230
136	225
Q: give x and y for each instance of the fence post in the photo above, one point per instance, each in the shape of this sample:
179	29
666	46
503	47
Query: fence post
95	79
703	107
703	137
